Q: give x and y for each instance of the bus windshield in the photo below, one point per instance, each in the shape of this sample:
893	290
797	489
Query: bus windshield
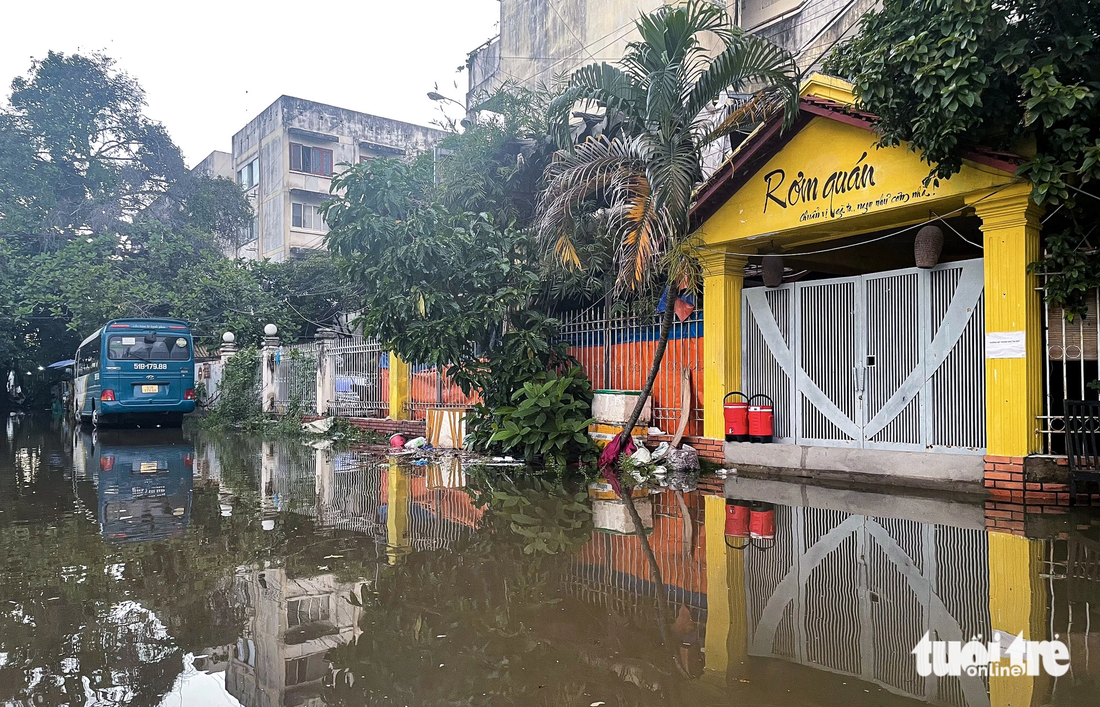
148	347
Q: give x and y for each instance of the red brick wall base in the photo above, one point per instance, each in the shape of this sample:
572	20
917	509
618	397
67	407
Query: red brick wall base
711	450
409	428
1013	495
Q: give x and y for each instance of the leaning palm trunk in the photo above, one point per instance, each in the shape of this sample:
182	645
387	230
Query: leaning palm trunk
654	366
647	389
659	106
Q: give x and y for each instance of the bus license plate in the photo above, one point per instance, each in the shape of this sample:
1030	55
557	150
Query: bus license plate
150	388
148	467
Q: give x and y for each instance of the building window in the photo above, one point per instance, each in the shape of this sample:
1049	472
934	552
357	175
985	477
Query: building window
307	610
363	159
313	160
307	217
297	671
249	175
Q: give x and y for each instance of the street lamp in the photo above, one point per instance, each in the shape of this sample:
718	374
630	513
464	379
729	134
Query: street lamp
435	96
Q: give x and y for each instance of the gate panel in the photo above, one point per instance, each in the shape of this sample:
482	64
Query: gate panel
767	375
895	341
829	351
956	390
893	360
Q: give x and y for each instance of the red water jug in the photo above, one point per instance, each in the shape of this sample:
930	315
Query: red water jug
737	417
737	519
762	521
737	524
761	419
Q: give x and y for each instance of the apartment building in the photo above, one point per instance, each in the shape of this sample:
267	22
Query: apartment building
540	41
285	158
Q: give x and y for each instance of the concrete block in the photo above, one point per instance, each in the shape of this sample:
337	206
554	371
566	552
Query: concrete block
867	502
615	407
614	516
785	456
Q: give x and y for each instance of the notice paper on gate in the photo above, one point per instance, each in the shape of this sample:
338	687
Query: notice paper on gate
1006	344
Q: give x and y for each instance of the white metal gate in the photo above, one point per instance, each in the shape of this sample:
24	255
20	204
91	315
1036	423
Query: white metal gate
853	594
892	360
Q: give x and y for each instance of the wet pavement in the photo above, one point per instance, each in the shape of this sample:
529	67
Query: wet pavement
183	568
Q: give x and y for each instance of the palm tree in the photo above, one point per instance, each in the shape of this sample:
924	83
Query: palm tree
659	108
659	115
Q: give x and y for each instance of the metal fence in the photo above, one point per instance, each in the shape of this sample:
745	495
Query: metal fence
360	377
296	377
360	369
616	352
431	387
1083	435
1071	364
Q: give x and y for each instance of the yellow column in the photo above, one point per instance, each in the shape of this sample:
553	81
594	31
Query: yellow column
716	641
399	388
726	640
723	276
1013	392
397	516
1017	604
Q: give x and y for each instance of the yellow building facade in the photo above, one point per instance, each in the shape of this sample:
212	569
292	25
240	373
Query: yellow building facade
842	214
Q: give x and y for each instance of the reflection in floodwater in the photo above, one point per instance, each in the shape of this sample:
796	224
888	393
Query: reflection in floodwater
142	481
169	569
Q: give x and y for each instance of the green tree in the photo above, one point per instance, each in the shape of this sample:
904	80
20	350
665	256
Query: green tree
78	156
1017	75
643	175
445	256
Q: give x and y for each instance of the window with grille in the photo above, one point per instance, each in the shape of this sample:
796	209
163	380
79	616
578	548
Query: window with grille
306	610
314	160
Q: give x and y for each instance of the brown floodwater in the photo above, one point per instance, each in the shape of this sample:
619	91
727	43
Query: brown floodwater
188	568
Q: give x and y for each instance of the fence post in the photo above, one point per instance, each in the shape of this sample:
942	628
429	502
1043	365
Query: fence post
399	388
228	348
267	358
326	371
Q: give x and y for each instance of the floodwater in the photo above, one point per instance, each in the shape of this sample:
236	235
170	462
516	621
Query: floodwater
171	568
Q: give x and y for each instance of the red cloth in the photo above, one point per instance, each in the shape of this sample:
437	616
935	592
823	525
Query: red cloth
611	453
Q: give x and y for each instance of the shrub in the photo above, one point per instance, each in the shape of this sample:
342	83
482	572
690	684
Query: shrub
239	391
548	418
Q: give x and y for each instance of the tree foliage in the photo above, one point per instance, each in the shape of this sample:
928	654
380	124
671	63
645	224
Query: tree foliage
1018	75
658	102
446	258
639	177
99	219
78	155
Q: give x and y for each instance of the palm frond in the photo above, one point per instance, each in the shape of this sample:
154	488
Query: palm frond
643	183
759	107
748	58
606	85
576	178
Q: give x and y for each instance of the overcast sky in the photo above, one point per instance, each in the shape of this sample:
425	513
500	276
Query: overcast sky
208	67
